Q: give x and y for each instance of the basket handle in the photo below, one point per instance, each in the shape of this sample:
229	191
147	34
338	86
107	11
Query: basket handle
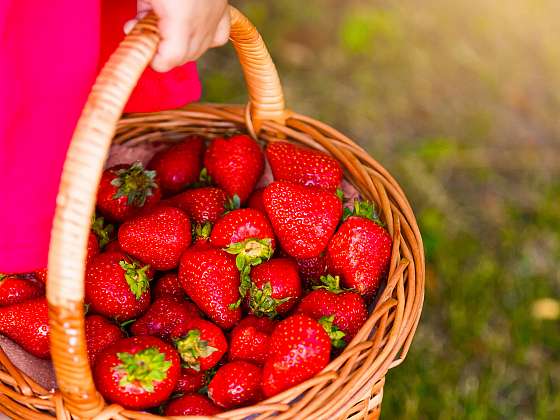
81	174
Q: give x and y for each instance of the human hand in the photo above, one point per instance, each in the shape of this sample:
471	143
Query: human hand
187	28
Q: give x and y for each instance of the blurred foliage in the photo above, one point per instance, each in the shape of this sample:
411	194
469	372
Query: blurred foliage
460	101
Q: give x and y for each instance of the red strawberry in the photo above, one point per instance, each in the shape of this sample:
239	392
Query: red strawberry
203	205
256	201
236	384
179	165
17	290
299	349
200	343
211	279
299	165
311	270
189	381
250	338
191	405
235	164
275	287
163	317
100	334
27	324
113	246
137	372
332	306
41	275
303	218
168	285
117	287
125	189
157	237
360	251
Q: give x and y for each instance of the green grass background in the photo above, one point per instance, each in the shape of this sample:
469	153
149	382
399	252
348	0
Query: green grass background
460	100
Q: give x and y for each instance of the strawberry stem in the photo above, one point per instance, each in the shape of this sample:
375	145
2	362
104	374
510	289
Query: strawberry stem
201	231
337	336
136	277
363	209
262	303
233	203
332	284
104	232
191	348
143	368
135	183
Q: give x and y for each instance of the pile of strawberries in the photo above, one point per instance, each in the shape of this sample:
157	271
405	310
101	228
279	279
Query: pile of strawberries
205	294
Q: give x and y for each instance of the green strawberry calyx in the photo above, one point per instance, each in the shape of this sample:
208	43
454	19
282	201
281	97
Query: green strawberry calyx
191	348
144	368
104	232
336	336
136	277
363	209
249	253
332	284
233	203
262	303
2	277
201	231
204	180
135	183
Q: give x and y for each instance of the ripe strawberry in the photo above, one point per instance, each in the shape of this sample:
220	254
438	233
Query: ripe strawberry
345	310
191	405
189	381
303	218
299	349
27	324
100	334
113	246
41	275
168	285
137	372
360	251
300	165
163	317
275	287
211	279
200	343
256	202
179	165
203	205
117	287
16	290
236	384
235	164
311	270
125	189
250	338
157	237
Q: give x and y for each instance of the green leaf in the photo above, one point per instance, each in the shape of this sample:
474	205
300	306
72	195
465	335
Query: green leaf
136	277
262	303
336	335
146	367
135	183
105	232
191	348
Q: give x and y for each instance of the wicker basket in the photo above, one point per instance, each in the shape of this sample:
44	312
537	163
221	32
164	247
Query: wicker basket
351	386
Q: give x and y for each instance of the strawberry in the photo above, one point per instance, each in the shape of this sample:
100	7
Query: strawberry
16	290
303	218
163	317
275	287
27	324
168	285
256	202
311	270
117	287
236	384
179	165
41	275
300	165
235	164
189	381
299	349
125	189
137	372
211	280
240	225
250	338
360	251
203	205
100	334
200	343
157	237
191	405
336	309
113	246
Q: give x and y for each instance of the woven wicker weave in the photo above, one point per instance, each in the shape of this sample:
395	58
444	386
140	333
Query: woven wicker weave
351	386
